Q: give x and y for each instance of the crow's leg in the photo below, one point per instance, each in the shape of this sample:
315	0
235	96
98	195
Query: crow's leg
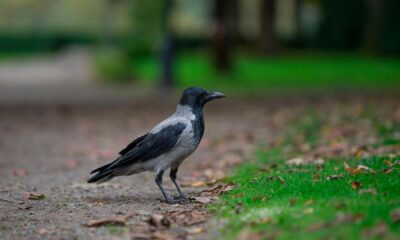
159	177
172	175
159	184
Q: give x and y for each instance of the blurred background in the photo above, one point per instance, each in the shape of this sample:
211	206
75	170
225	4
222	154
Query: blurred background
252	46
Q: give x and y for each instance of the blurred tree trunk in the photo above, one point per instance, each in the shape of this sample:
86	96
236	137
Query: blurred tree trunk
167	51
371	37
220	36
267	36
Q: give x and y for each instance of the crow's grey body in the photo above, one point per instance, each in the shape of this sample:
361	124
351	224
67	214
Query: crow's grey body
165	146
185	145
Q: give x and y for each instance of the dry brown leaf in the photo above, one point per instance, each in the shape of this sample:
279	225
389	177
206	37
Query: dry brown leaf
158	221
369	191
350	169
33	196
194	184
191	222
389	163
220	188
281	180
347	218
20	172
118	220
188	217
335	177
395	215
357	170
167	235
308	211
378	230
43	231
248	234
295	161
265	220
204	200
361	152
309	202
194	230
355	185
388	170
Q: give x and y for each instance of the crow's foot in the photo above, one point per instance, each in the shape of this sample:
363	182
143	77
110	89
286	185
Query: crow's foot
181	198
175	200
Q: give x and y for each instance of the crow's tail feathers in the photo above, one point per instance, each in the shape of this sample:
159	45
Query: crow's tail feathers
101	177
103	173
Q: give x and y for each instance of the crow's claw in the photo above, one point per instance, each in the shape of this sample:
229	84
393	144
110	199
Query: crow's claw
181	198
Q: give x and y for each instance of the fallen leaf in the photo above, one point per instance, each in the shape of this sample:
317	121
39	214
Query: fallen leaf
188	217
395	215
194	184
379	230
195	230
309	202
204	200
388	170
281	180
369	191
220	188
389	163
158	221
295	161
248	234
361	152
347	218
357	170
319	161
166	235
20	172
118	220
265	220
5	200
43	231
32	196
334	177
308	211
355	185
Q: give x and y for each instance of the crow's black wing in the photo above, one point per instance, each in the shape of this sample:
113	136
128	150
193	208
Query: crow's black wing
122	152
132	144
151	146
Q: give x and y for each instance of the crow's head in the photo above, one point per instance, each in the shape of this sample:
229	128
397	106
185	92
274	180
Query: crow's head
197	97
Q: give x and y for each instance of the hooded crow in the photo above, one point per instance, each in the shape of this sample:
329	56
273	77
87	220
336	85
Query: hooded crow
165	146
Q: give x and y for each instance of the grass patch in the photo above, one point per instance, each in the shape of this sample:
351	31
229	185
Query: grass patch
300	203
275	200
289	72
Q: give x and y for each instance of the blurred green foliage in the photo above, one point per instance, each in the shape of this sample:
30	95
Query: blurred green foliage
112	65
298	71
43	42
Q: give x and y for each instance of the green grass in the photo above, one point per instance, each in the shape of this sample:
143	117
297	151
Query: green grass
307	205
276	200
290	72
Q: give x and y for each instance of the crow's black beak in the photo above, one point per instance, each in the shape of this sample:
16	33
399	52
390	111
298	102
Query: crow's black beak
214	95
